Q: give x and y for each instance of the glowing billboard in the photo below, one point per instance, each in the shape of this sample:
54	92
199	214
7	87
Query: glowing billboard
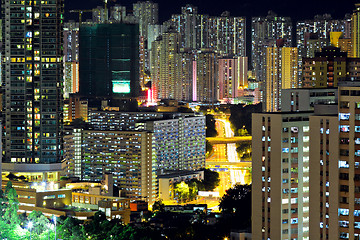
121	86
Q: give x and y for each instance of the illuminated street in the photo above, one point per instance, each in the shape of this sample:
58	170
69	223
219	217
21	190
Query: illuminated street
225	159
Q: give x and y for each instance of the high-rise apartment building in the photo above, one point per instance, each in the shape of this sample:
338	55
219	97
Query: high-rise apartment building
71	76
147	145
166	67
75	107
227	34
186	76
205	76
71	41
315	45
349	161
313	35
71	58
128	155
345	45
232	76
325	180
109	60
321	26
148	14
179	143
191	26
33	76
281	73
265	32
355	31
326	69
280	188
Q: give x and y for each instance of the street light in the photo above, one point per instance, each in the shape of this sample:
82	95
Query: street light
55	225
30	225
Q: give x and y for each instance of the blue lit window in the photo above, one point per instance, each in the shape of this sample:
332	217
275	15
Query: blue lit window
344	212
344	116
357	153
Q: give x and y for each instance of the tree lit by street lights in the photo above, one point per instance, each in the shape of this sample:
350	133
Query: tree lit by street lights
30	225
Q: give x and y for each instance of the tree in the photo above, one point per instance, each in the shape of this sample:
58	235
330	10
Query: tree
40	222
158	206
10	216
184	109
193	189
209	147
79	123
211	180
71	229
11	176
181	191
244	149
237	201
210	126
241	115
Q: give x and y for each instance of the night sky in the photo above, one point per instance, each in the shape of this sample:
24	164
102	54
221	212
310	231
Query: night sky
302	9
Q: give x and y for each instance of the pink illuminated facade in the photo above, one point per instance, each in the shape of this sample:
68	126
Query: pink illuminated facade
232	77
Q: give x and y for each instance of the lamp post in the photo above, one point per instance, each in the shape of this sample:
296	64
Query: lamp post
30	225
55	225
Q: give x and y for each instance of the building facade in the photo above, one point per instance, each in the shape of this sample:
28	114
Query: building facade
264	33
355	31
109	60
226	34
326	69
280	188
281	73
33	92
232	77
128	155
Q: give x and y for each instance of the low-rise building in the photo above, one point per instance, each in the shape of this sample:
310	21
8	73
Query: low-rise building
167	181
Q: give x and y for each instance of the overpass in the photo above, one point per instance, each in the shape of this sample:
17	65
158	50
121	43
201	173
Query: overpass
229	164
226	140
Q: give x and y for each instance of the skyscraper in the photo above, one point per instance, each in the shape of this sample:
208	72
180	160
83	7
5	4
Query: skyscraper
313	34
71	58
355	31
232	76
265	32
192	27
32	53
326	69
147	14
281	73
280	189
205	76
227	34
109	60
321	26
165	66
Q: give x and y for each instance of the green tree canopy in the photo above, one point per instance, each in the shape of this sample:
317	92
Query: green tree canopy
158	206
12	205
211	180
210	126
237	200
39	221
241	115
